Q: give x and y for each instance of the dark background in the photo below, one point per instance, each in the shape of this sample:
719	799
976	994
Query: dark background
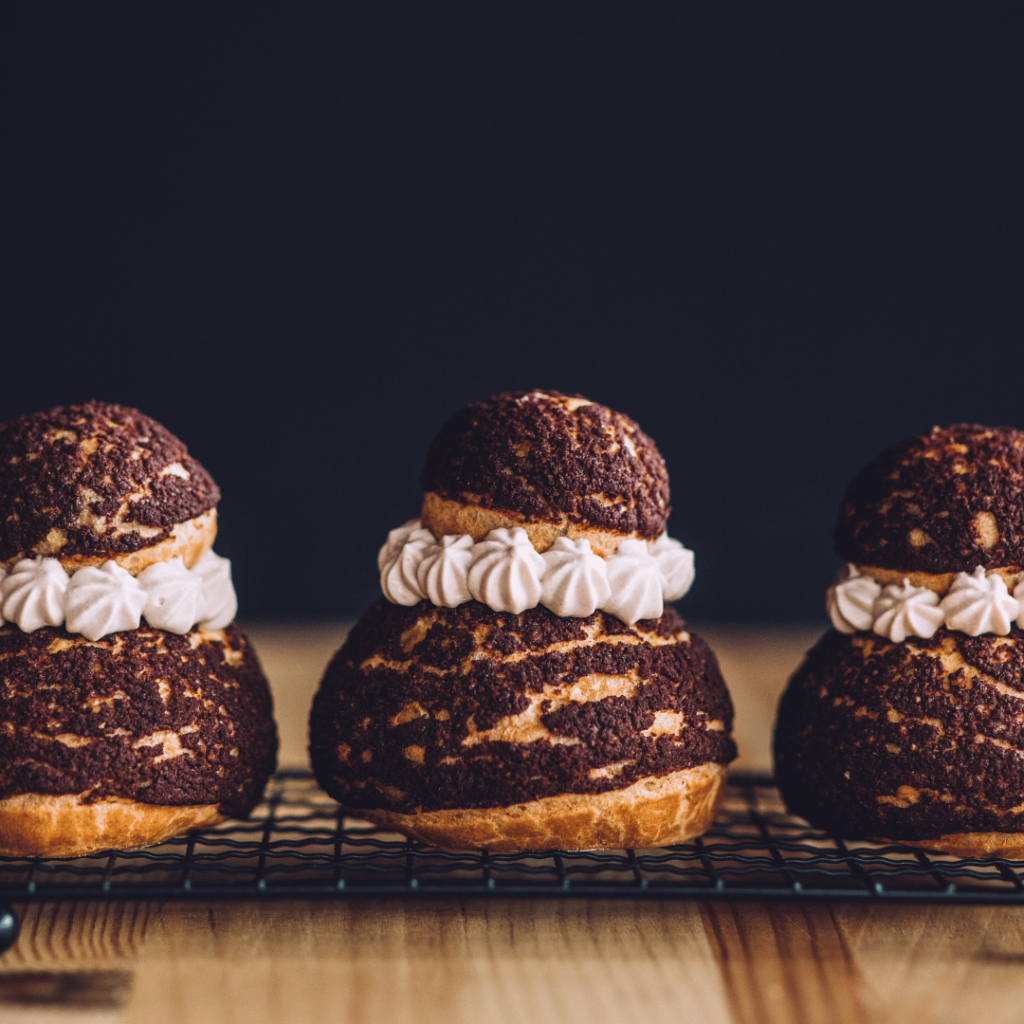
302	236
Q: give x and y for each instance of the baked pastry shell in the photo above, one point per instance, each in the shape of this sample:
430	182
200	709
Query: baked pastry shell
188	541
916	743
549	460
659	811
445	515
126	741
938	503
469	728
37	825
98	481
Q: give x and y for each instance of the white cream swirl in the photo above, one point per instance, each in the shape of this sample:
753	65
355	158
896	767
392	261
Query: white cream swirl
569	579
32	596
506	571
98	600
575	580
902	610
850	601
220	604
174	596
977	604
443	574
635	582
398	572
675	564
102	600
396	540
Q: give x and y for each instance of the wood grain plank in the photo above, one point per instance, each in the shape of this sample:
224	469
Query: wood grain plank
958	965
73	962
60	1015
78	935
430	961
785	962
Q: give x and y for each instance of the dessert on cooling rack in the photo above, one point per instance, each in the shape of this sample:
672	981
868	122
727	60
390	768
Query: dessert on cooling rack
906	721
523	684
132	707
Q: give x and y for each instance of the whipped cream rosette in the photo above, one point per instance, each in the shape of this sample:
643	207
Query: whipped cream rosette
675	566
505	571
850	601
174	596
635	581
396	541
979	603
219	601
443	572
523	684
102	600
135	708
398	570
906	610
904	722
574	581
32	595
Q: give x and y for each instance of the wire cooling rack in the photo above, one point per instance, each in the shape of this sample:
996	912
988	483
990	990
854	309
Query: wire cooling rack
299	842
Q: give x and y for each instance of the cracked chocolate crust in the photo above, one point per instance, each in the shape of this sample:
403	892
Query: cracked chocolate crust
94	479
548	457
945	501
908	741
428	708
144	715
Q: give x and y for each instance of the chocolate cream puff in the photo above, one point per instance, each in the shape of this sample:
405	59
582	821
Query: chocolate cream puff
522	685
132	708
906	721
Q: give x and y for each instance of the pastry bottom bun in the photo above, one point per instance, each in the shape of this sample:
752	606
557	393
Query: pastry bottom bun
469	728
32	825
658	811
1007	845
918	742
127	740
443	516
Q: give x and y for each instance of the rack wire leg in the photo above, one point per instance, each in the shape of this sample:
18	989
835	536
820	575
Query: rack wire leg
8	927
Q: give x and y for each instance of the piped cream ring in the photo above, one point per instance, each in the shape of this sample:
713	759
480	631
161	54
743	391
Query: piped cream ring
98	601
898	605
505	572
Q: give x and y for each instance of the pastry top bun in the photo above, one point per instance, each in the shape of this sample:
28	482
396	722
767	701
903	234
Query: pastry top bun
939	503
557	465
87	483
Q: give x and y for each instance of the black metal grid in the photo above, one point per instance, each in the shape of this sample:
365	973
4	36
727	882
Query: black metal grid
300	843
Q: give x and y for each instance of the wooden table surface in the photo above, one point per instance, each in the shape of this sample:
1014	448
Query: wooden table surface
489	961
